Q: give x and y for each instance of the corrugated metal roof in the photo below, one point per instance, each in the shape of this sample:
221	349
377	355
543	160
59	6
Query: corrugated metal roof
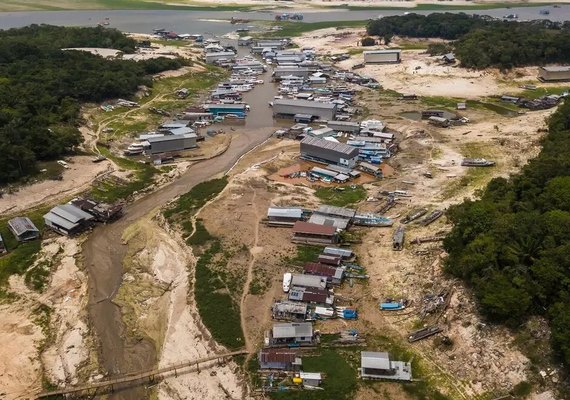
322	171
303	103
292	330
59	221
337	211
20	225
284	212
557	69
394	51
287	356
290	307
71	213
326	220
226	106
375	360
312	281
313	376
168	138
326	144
336	251
313	229
319	269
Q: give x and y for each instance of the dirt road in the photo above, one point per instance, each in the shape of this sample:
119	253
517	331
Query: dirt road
104	250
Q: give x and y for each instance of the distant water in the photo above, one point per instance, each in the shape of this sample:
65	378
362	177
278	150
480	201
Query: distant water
144	21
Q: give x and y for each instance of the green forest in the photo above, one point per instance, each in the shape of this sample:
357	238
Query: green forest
42	88
512	246
481	42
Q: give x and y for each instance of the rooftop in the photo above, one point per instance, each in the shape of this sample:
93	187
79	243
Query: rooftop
167	138
327	144
277	355
284	212
292	330
392	51
303	103
375	360
313	229
336	211
557	69
20	225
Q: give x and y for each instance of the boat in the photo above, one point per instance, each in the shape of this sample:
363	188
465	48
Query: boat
511	16
544	12
135	147
431	217
415	214
234	116
287	277
477	162
392	306
423	333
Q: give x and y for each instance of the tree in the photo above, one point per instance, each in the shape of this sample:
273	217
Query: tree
368	41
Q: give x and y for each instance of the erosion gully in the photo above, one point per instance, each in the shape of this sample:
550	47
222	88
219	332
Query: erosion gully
104	252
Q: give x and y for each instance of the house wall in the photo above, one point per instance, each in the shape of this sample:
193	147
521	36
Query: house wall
172	145
322	113
381	58
554	75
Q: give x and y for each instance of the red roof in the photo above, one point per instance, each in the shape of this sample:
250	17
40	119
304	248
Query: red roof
319	269
331	260
313	229
277	355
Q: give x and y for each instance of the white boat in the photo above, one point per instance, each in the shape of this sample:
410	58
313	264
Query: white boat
287	277
135	147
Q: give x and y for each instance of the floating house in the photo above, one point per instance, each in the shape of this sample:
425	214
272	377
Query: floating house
305	232
554	74
310	295
325	151
337	251
289	311
225	109
292	107
291	333
284	216
23	229
172	143
283	359
382	56
333	275
377	365
217	56
309	281
68	219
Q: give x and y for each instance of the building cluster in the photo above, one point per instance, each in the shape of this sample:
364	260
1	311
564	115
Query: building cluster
540	103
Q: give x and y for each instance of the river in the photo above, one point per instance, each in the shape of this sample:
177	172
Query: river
104	253
217	22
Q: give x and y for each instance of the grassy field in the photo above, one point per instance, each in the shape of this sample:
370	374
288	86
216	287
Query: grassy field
339	367
341	196
305	253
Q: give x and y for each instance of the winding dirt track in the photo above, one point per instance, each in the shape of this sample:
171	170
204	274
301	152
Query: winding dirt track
104	251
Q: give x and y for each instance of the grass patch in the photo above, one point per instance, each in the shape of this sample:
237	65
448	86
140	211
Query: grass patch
411	45
541	91
340	381
501	109
292	29
341	196
21	256
305	253
110	191
440	101
216	307
201	236
182	211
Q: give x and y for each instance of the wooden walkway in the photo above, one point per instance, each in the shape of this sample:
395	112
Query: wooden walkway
150	375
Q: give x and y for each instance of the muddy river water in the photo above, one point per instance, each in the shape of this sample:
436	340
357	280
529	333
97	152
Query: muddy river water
104	251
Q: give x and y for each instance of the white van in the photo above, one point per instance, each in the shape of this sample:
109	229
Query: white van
287	277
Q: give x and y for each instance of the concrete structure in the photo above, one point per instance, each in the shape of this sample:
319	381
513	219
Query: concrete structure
322	150
68	219
283	359
305	232
382	56
290	107
377	365
170	143
554	74
309	281
219	56
23	229
287	333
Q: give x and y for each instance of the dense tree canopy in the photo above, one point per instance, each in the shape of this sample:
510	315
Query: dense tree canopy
513	245
482	42
41	88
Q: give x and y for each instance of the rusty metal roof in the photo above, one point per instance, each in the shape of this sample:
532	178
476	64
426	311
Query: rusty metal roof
313	229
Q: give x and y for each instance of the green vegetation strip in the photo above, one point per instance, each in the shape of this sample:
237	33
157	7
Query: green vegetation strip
214	287
513	245
341	196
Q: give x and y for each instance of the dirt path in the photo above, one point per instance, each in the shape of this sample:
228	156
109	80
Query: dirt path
254	252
